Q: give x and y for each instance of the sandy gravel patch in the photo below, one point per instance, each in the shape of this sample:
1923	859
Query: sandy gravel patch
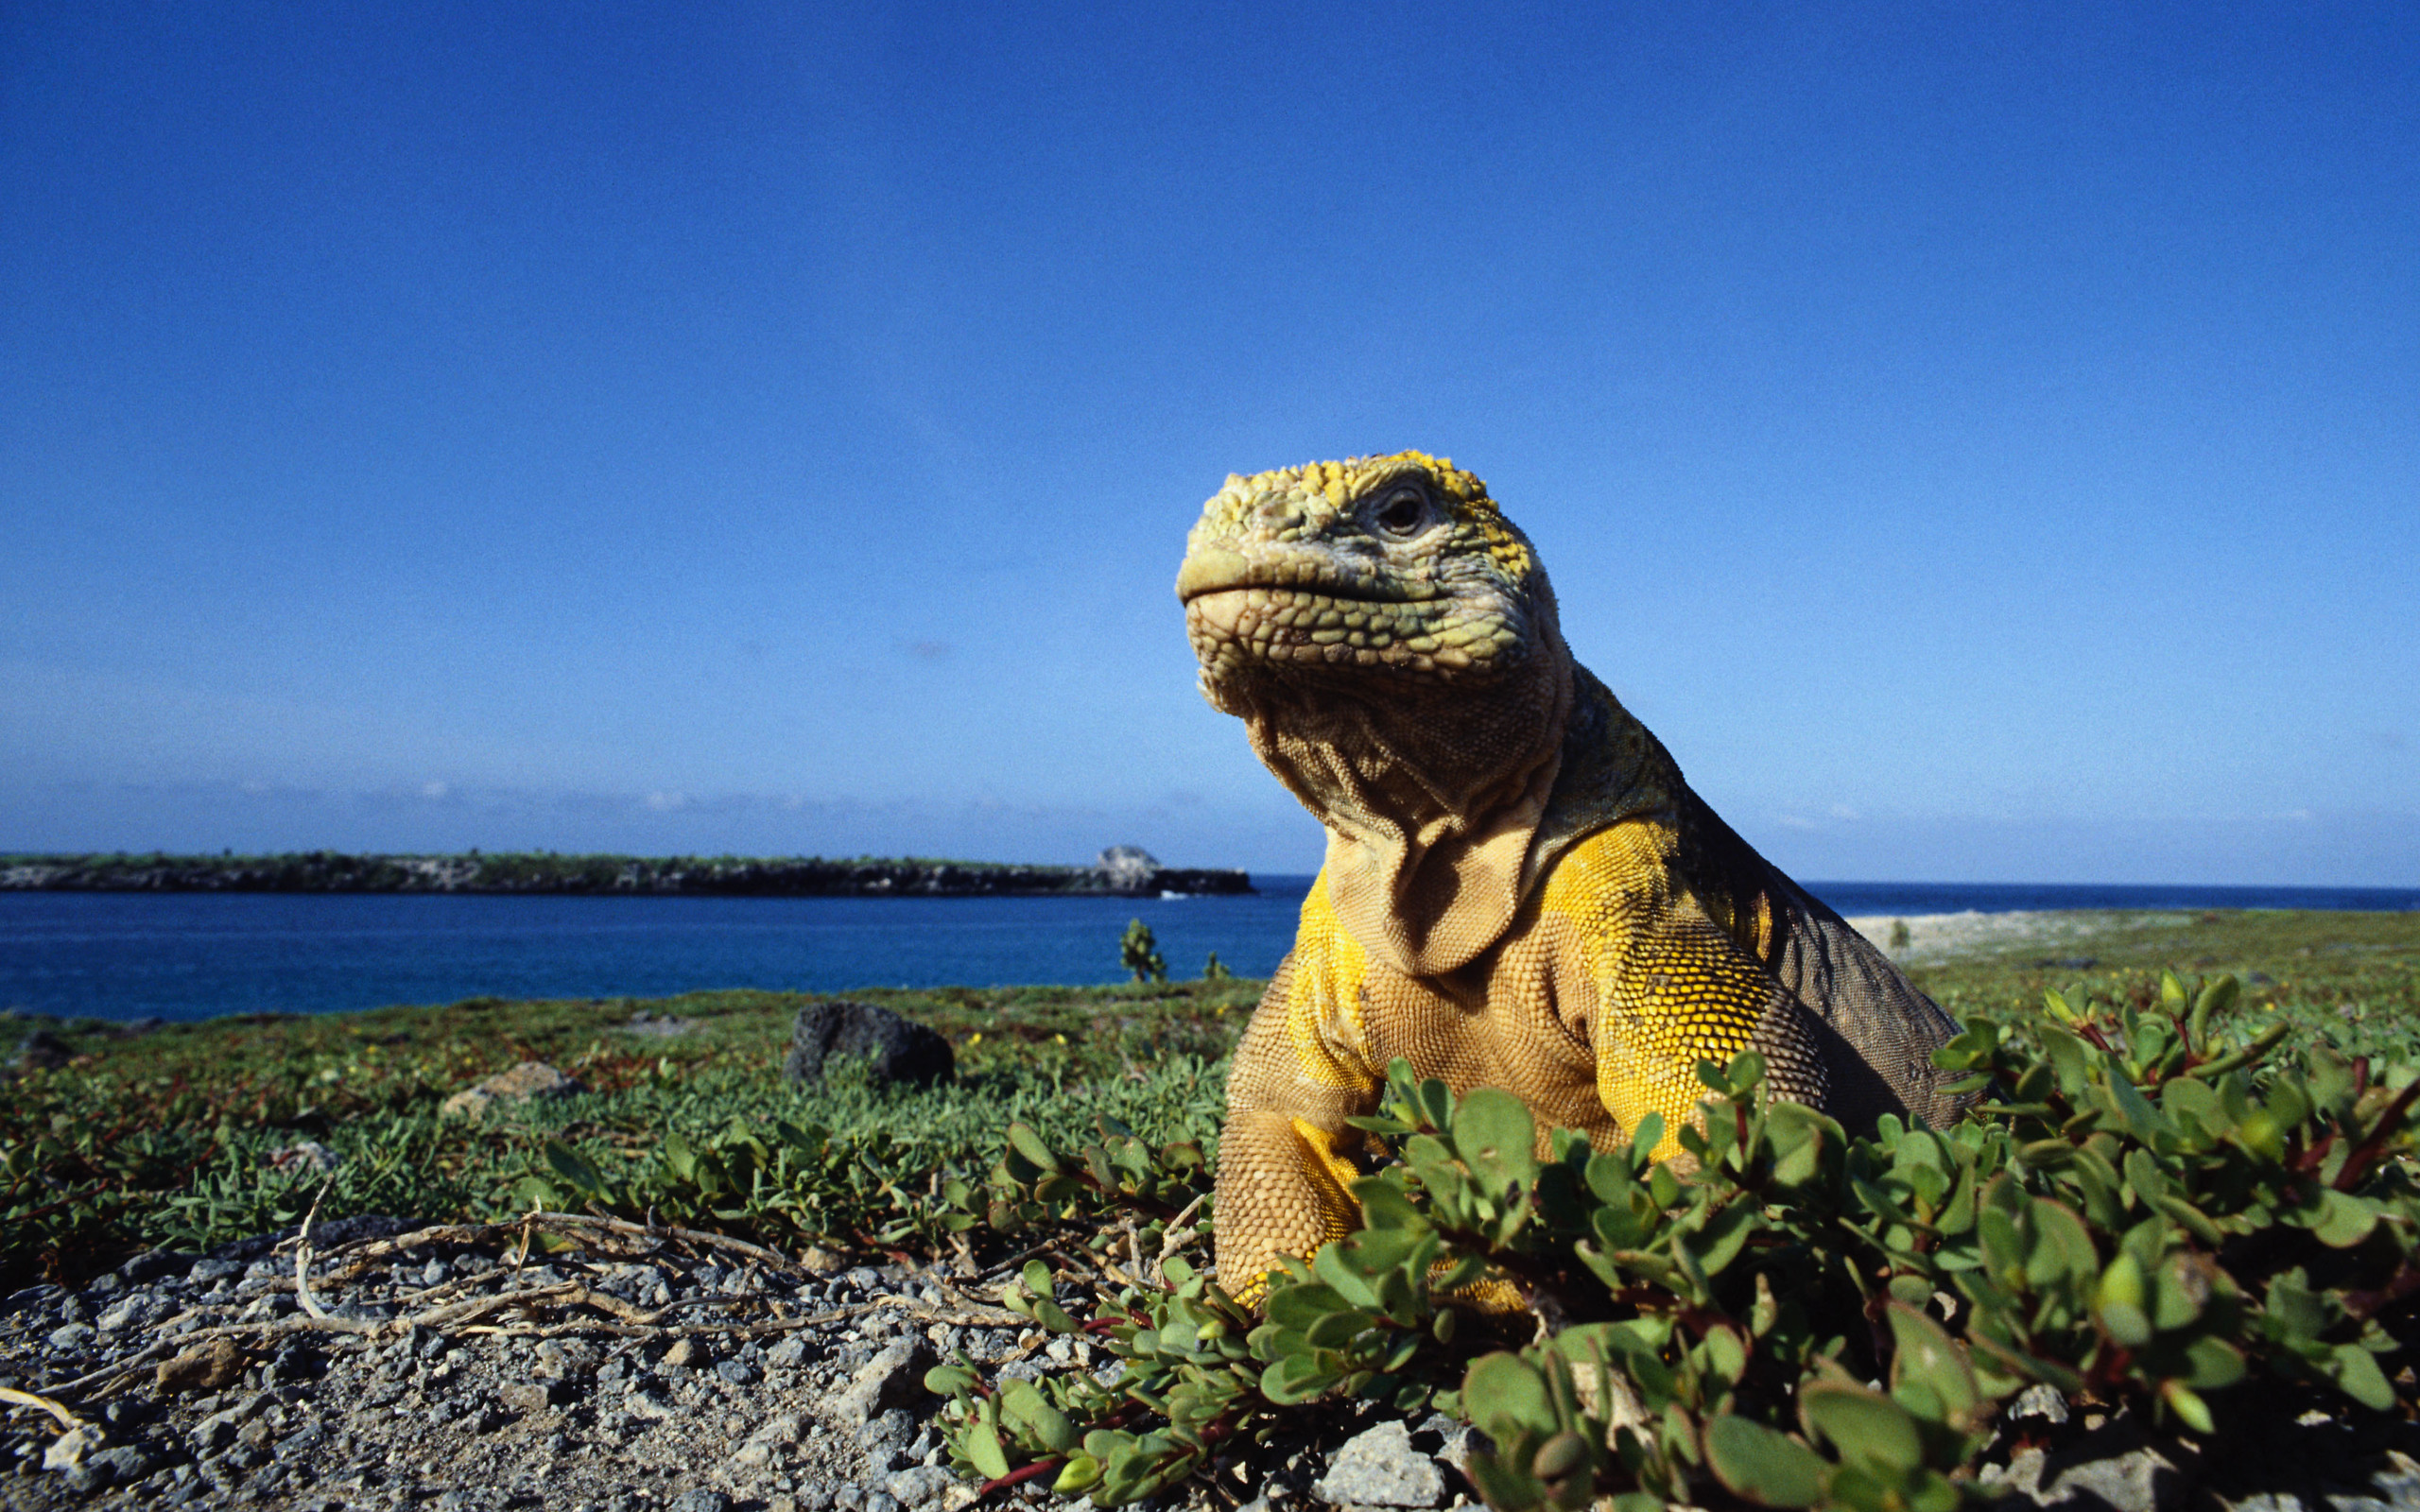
1934	938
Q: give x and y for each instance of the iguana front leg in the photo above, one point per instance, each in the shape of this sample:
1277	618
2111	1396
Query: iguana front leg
1285	1166
1664	986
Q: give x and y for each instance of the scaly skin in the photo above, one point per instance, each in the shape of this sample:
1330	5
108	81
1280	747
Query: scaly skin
1519	891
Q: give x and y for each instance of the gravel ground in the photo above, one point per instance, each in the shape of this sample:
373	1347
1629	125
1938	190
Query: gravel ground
445	1369
636	1372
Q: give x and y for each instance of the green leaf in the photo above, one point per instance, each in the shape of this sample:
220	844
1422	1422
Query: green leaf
1924	1354
1079	1474
2347	1221
2191	1409
1644	1138
2356	1371
1867	1427
2120	1301
1559	1456
1021	1401
982	1446
2192	1219
1026	1142
1766	1468
1298	1307
1294	1379
573	1167
1496	1137
1508	1396
2212	1363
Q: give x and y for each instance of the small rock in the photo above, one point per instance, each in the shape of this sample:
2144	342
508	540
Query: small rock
129	1311
154	1263
894	1376
2041	1402
44	1051
68	1450
788	1352
531	1397
736	1371
121	1465
212	1367
914	1487
684	1353
1379	1468
69	1335
700	1500
529	1080
309	1157
752	1455
645	1404
1456	1440
894	1048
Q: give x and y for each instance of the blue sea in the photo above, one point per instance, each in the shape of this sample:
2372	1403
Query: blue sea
196	956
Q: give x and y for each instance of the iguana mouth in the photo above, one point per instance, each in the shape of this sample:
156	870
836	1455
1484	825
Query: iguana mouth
1217	570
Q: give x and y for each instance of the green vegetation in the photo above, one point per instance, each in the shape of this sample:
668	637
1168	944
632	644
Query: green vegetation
2156	1203
2175	1188
165	1139
1140	954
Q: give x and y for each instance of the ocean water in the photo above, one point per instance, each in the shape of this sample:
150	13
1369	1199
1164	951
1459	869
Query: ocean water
196	956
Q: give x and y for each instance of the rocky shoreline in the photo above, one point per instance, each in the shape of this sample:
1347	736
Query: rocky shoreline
1121	871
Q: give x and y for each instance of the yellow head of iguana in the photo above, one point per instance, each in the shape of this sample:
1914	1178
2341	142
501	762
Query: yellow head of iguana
1389	640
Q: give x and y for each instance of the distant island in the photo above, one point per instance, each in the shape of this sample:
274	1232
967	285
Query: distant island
1121	871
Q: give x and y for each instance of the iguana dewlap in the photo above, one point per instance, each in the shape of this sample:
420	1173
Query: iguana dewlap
1519	890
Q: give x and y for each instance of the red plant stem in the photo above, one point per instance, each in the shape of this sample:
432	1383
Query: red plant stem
2366	1153
2316	1156
1018	1477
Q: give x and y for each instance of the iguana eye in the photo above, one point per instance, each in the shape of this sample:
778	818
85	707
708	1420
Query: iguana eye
1402	513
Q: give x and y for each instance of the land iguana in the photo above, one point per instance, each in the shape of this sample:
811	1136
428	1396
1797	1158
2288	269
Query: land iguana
1519	890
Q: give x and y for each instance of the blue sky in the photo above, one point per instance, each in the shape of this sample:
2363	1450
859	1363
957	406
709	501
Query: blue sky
1983	443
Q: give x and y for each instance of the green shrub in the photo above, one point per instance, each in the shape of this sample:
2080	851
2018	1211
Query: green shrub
1140	954
2154	1206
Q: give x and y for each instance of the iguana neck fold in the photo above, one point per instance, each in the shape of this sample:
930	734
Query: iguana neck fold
1428	818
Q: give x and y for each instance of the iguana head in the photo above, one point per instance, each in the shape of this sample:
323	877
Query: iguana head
1383	567
1388	638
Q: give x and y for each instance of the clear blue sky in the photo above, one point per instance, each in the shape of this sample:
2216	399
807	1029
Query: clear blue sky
1983	443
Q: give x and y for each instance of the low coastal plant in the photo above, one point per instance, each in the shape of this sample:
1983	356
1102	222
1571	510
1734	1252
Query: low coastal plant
188	1137
2151	1206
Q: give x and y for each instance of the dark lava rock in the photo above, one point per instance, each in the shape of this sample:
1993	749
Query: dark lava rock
44	1051
892	1048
